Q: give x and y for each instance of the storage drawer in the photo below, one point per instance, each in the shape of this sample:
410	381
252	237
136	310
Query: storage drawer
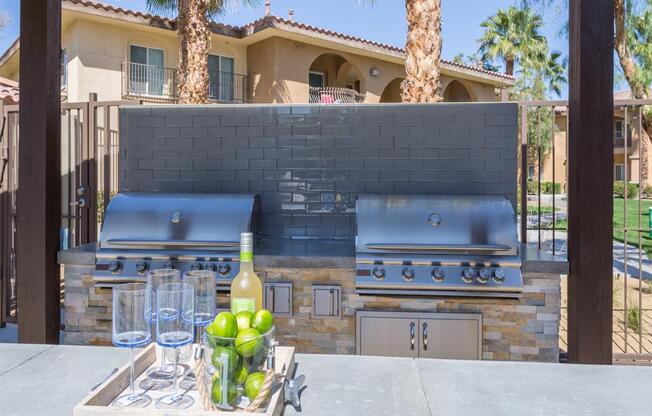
415	334
278	298
326	301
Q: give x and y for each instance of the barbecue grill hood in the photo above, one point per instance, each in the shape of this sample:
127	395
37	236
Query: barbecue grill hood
473	225
152	221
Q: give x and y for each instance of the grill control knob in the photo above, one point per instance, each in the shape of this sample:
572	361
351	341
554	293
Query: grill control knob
499	275
195	266
142	266
223	269
484	275
468	275
115	266
438	275
168	265
379	273
408	274
210	266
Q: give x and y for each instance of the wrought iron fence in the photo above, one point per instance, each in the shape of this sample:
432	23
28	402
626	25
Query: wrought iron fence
159	84
335	95
543	211
89	176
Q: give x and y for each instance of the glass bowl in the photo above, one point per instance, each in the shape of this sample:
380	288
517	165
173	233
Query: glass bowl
230	361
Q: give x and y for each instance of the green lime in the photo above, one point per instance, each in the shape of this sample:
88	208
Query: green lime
216	391
244	319
253	384
248	342
241	375
231	356
224	325
262	321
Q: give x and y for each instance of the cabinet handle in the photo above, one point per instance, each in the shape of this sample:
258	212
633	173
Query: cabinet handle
273	308
425	336
412	335
332	303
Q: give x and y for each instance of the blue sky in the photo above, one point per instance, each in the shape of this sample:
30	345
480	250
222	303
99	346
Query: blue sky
383	22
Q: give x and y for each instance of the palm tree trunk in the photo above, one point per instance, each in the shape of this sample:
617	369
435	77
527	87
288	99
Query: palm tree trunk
194	35
638	88
509	67
422	65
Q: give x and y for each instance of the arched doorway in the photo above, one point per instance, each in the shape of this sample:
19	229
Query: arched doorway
456	93
392	92
331	78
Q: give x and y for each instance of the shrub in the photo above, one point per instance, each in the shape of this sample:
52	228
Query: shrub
634	318
647	192
546	187
619	190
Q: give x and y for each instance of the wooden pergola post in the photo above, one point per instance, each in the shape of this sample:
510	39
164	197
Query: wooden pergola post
590	185
38	201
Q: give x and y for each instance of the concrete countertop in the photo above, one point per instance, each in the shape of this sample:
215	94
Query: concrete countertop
50	380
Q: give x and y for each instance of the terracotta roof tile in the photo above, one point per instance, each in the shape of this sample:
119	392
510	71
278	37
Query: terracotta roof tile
9	93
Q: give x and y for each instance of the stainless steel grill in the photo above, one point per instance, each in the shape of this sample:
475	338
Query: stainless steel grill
453	245
143	232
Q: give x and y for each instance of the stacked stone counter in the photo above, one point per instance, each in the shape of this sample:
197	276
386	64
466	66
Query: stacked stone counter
513	329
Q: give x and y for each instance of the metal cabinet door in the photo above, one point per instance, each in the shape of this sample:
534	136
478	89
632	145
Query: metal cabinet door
450	338
390	337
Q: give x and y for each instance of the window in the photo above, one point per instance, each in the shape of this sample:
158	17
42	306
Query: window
531	172
221	78
620	173
620	129
317	79
146	70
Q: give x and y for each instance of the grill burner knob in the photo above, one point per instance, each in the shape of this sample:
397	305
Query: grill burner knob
438	275
379	273
168	265
115	266
141	266
484	275
499	275
468	275
408	274
195	266
210	266
223	269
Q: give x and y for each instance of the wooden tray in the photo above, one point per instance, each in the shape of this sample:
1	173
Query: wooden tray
97	402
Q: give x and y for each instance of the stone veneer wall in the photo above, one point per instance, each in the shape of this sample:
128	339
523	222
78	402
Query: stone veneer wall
309	162
524	329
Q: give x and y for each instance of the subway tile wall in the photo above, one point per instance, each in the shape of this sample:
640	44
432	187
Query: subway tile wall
309	162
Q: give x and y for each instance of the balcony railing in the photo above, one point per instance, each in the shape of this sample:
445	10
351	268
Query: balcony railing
335	95
156	83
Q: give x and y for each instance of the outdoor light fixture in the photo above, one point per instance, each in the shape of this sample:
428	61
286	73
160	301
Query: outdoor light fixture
374	72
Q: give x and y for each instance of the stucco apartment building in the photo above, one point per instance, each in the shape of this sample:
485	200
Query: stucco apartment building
632	156
125	54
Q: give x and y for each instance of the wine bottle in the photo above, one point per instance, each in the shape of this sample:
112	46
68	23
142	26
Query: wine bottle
246	288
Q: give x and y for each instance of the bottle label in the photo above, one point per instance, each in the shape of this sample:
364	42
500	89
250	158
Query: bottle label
243	304
246	256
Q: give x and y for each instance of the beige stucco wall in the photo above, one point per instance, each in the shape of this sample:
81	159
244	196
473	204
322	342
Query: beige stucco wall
97	48
279	70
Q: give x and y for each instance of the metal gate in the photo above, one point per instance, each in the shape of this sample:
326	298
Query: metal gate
89	177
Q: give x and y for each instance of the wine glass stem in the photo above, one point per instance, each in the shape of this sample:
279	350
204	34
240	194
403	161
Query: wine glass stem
131	373
176	359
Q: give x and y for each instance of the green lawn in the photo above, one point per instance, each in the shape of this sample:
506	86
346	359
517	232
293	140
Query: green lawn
632	222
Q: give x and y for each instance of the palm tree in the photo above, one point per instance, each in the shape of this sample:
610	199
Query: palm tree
193	28
423	49
513	35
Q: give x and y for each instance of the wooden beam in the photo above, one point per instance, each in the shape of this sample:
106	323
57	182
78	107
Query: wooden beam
38	201
590	188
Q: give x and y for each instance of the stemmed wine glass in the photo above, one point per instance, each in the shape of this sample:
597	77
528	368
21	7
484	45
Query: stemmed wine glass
174	328
130	330
159	377
203	281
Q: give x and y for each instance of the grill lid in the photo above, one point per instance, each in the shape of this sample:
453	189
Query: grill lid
178	221
436	224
